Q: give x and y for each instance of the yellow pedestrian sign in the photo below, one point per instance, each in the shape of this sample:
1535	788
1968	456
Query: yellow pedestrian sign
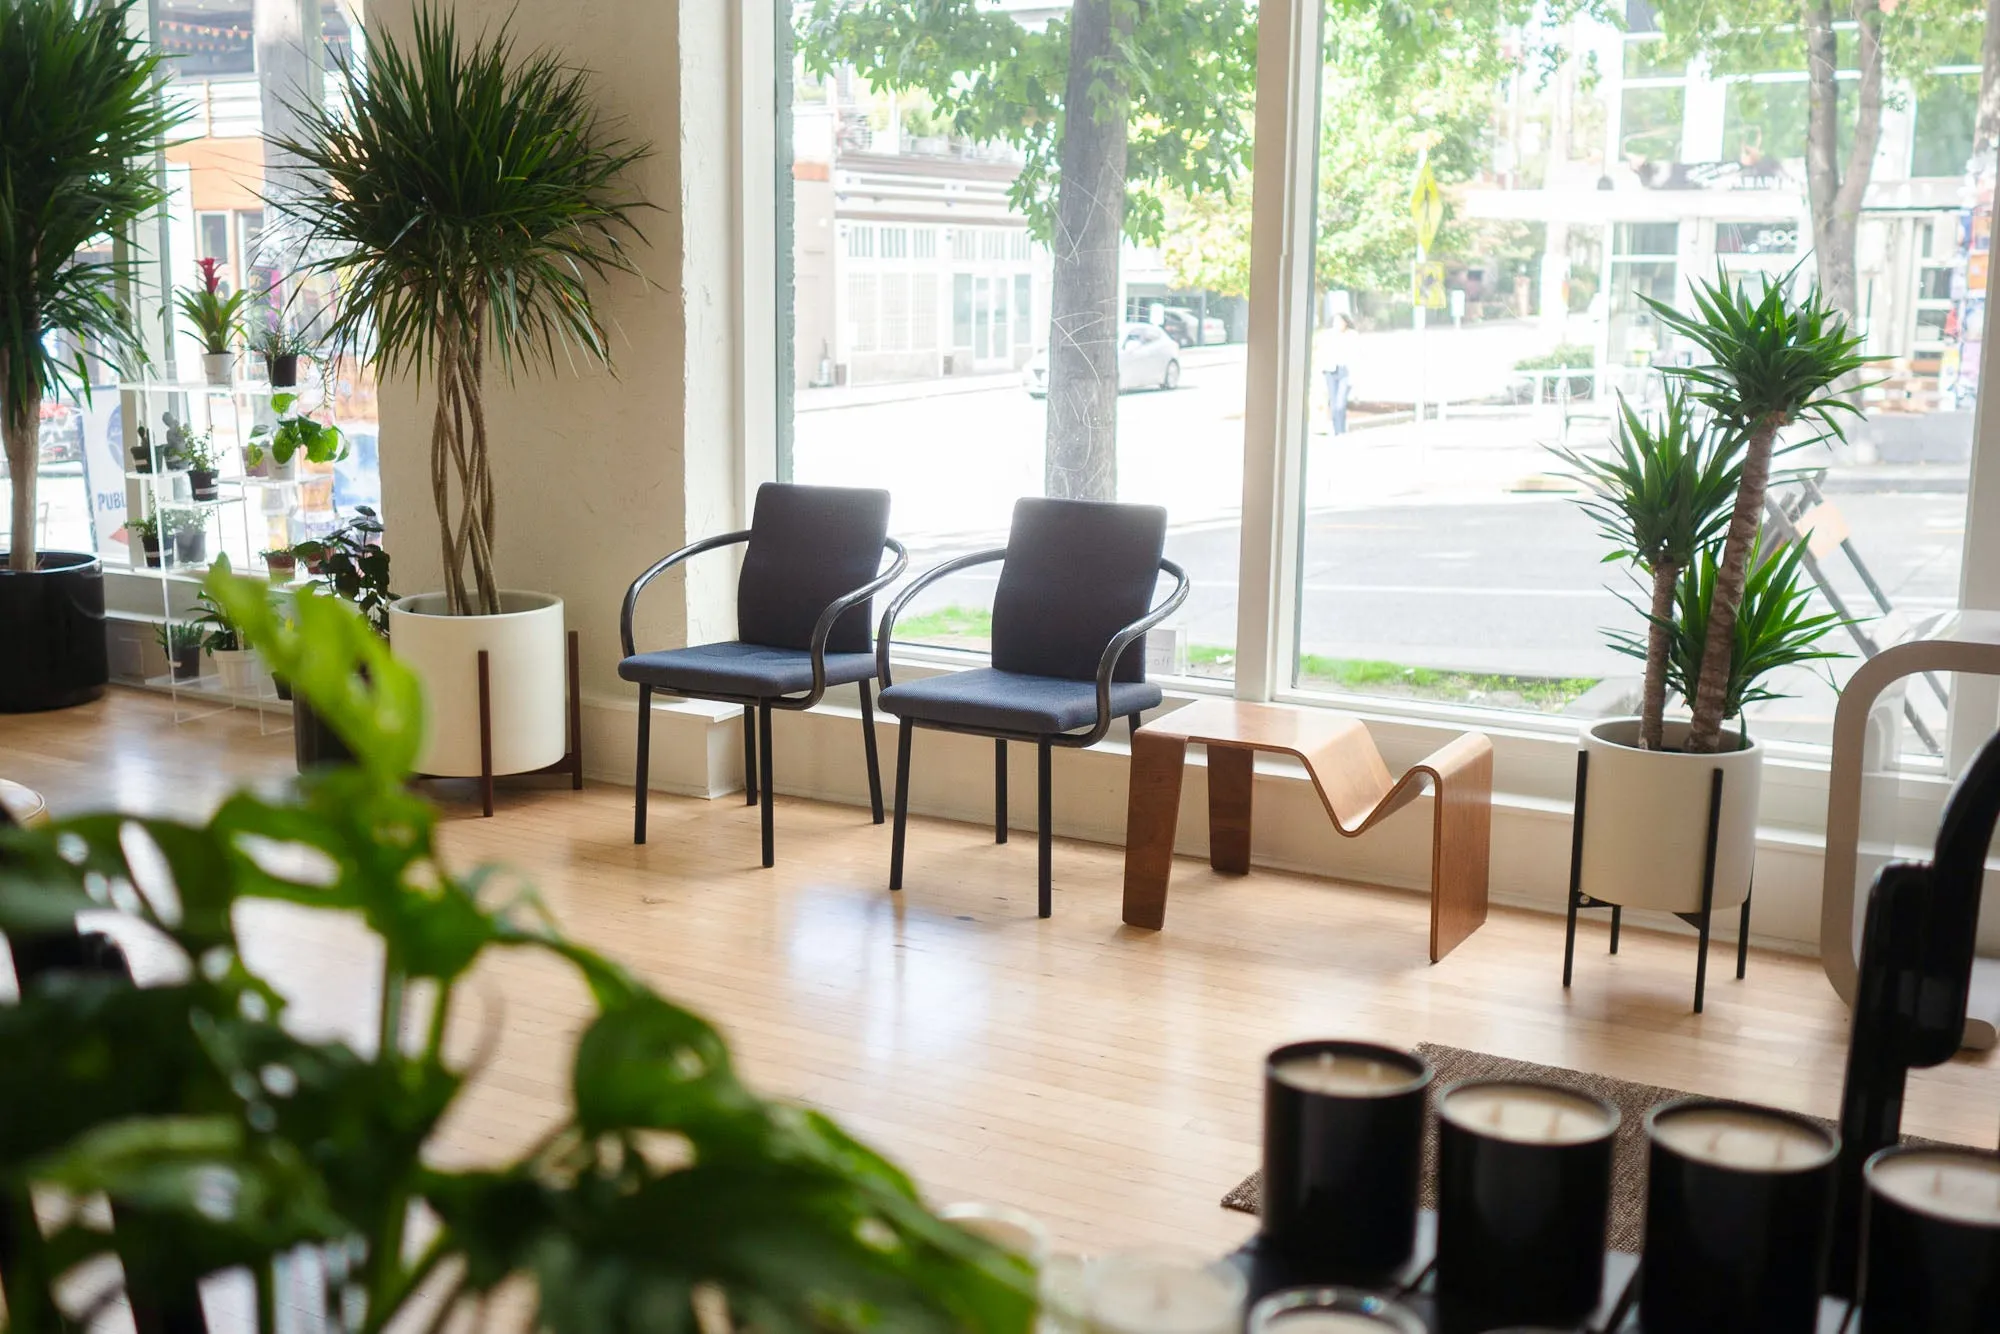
1426	207
1427	285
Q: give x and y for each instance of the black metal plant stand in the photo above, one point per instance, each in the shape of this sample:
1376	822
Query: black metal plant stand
572	761
1699	920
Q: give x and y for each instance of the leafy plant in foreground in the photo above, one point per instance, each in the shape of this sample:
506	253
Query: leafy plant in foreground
222	1138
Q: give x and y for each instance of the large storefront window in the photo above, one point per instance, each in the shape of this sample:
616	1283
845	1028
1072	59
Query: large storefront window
920	317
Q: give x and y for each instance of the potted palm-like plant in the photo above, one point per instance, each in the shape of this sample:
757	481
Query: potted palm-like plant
181	642
74	168
147	530
217	320
444	274
281	350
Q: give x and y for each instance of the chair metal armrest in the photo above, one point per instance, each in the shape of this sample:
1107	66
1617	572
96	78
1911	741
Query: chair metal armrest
823	628
639	584
917	585
1123	640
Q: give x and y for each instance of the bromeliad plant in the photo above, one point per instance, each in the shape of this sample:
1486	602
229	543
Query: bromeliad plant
217	319
471	195
1772	362
82	117
222	1138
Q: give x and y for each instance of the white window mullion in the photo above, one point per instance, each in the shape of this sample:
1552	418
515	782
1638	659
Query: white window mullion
1276	393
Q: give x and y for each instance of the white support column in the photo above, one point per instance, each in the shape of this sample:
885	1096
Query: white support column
1277	385
1975	700
756	210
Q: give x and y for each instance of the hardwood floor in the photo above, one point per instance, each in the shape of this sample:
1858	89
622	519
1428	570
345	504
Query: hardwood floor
1102	1077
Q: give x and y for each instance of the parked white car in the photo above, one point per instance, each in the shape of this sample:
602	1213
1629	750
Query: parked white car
1147	359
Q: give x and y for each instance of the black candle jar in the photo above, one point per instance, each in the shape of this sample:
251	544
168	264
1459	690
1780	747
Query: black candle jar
1930	1238
1343	1142
1524	1193
1739	1210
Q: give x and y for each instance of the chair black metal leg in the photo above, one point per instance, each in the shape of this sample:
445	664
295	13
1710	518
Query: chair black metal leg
1617	916
1708	886
904	732
769	791
999	791
1575	864
1045	853
749	755
1137	720
874	764
643	769
1743	940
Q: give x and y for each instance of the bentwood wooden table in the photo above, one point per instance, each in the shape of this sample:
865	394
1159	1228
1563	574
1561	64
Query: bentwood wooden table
1352	782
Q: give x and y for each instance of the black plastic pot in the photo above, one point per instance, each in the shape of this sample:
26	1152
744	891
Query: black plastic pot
142	458
284	371
191	546
201	481
151	546
313	742
187	662
284	689
52	652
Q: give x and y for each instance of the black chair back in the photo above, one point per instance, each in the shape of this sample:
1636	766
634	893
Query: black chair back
1077	572
810	545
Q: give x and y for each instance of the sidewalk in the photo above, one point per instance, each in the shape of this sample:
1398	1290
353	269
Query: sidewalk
904	391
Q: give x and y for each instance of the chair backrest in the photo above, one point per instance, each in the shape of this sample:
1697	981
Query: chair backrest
1077	572
810	545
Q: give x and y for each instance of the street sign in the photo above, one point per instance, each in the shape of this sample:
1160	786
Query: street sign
1426	207
1427	285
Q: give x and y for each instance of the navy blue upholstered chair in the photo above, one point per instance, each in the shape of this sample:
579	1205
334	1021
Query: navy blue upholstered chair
1069	622
802	621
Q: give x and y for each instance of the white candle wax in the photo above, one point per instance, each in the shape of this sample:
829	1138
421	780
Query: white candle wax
1144	1294
1346	1075
1526	1113
1009	1229
1326	1322
1743	1138
1963	1187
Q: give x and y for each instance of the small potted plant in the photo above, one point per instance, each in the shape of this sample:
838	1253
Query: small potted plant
281	350
349	564
147	530
198	454
216	320
181	641
281	565
274	450
188	527
235	662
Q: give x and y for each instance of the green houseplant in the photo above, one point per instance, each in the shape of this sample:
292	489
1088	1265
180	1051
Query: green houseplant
473	198
216	319
147	530
181	642
291	437
187	525
281	350
223	1139
235	660
74	168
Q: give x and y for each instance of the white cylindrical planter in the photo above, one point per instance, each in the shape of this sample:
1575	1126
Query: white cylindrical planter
1645	819
218	368
238	669
527	675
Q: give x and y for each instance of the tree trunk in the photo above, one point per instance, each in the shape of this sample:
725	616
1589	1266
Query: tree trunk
1085	321
1712	690
1986	126
1653	701
20	424
1835	192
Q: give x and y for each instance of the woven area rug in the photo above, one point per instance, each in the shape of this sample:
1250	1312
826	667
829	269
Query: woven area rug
1633	1101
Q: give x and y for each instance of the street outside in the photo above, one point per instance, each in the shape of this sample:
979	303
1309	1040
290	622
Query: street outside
1425	545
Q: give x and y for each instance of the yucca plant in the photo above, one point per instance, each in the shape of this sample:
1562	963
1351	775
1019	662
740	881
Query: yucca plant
1774	626
81	118
1660	499
466	196
666	1197
1772	361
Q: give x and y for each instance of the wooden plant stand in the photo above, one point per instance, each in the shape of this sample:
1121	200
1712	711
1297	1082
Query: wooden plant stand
572	761
1351	779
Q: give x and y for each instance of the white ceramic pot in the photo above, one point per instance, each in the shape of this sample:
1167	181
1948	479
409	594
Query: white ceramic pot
238	669
218	368
271	470
1645	828
526	670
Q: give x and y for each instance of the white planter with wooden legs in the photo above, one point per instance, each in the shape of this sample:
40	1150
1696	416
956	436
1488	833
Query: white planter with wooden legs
527	682
1663	830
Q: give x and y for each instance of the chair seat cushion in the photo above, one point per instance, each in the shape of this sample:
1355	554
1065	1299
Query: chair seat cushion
1011	701
736	670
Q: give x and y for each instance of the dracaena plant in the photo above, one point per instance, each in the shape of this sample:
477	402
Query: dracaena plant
1660	498
81	120
1772	361
471	196
224	1139
217	318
